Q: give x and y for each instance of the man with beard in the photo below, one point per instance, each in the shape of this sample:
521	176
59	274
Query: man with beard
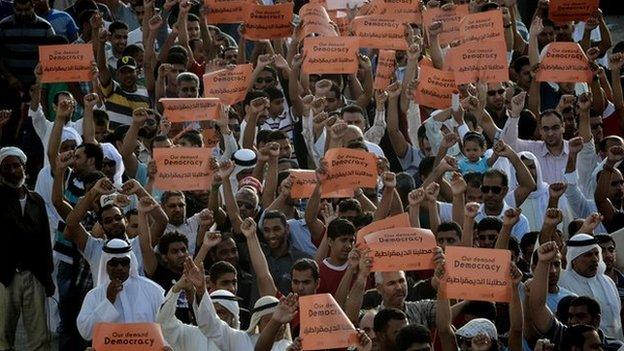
111	219
25	255
121	295
123	94
584	276
193	228
609	192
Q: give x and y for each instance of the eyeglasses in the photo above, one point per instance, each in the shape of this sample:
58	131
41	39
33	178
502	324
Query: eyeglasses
264	80
554	128
494	92
115	262
494	189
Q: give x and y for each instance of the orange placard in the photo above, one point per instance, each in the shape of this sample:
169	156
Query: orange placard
405	11
343	4
450	21
380	32
384	75
341	19
128	337
183	168
399	221
268	21
210	137
303	185
185	110
330	55
564	62
435	87
324	325
315	19
482	26
571	10
477	274
66	63
228	85
349	168
225	11
480	61
406	249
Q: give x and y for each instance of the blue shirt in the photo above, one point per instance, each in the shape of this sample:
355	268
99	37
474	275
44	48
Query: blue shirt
63	24
465	166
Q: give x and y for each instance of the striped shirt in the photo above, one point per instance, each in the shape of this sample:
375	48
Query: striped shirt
19	46
120	103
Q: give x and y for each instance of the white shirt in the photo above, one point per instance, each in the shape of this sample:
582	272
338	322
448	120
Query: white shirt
188	229
43	128
518	230
139	301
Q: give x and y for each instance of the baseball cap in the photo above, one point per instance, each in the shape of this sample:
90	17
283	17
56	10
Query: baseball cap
126	61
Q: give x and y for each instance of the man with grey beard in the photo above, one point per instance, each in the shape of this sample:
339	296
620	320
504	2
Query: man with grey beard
25	255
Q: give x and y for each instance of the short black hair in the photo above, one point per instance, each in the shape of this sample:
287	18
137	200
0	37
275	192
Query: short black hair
170	238
574	338
218	269
384	316
253	94
100	118
480	309
131	212
412	334
493	172
106	208
352	108
55	98
263	135
490	223
426	166
474	179
276	135
551	111
475	137
131	50
593	307
450	226
93	151
116	26
306	264
340	227
193	137
350	205
273	93
273	214
520	62
604	239
527	241
169	194
363	220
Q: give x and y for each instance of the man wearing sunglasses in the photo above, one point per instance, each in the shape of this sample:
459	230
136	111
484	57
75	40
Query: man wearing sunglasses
121	295
495	103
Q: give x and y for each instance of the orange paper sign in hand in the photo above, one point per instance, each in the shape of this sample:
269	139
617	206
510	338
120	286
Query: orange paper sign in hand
183	168
385	69
230	86
210	137
128	337
406	249
380	32
398	221
323	324
564	62
477	274
482	26
571	10
268	21
66	63
330	55
226	11
350	168
480	61
315	19
407	11
304	182
435	87
186	110
450	21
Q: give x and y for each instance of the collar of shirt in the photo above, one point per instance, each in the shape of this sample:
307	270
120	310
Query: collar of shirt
484	214
543	152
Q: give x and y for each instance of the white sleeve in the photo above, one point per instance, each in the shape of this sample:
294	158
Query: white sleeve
377	131
229	145
307	132
213	327
40	123
585	165
171	326
93	312
413	122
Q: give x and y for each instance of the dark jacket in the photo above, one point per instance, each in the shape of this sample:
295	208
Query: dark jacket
25	241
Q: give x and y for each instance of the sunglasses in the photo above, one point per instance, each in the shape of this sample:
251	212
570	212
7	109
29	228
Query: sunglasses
494	189
124	262
264	80
494	92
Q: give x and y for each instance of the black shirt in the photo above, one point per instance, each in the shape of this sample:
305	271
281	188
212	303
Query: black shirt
166	278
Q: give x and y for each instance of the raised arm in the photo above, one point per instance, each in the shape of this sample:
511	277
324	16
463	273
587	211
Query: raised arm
74	231
458	188
397	139
416	197
225	170
615	63
515	311
604	205
131	162
88	127
367	82
552	218
63	161
526	183
543	318
150	262
389	182
286	310
443	313
266	285
470	212
510	218
316	226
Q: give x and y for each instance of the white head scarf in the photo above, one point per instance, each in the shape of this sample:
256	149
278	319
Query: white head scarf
12	151
580	244
70	133
230	302
116	248
243	159
111	153
264	306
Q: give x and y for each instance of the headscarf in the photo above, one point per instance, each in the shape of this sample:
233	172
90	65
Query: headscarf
116	248
70	133
230	302
244	159
264	306
111	153
12	151
580	244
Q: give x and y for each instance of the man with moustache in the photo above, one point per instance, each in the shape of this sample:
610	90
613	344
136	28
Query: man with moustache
25	255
